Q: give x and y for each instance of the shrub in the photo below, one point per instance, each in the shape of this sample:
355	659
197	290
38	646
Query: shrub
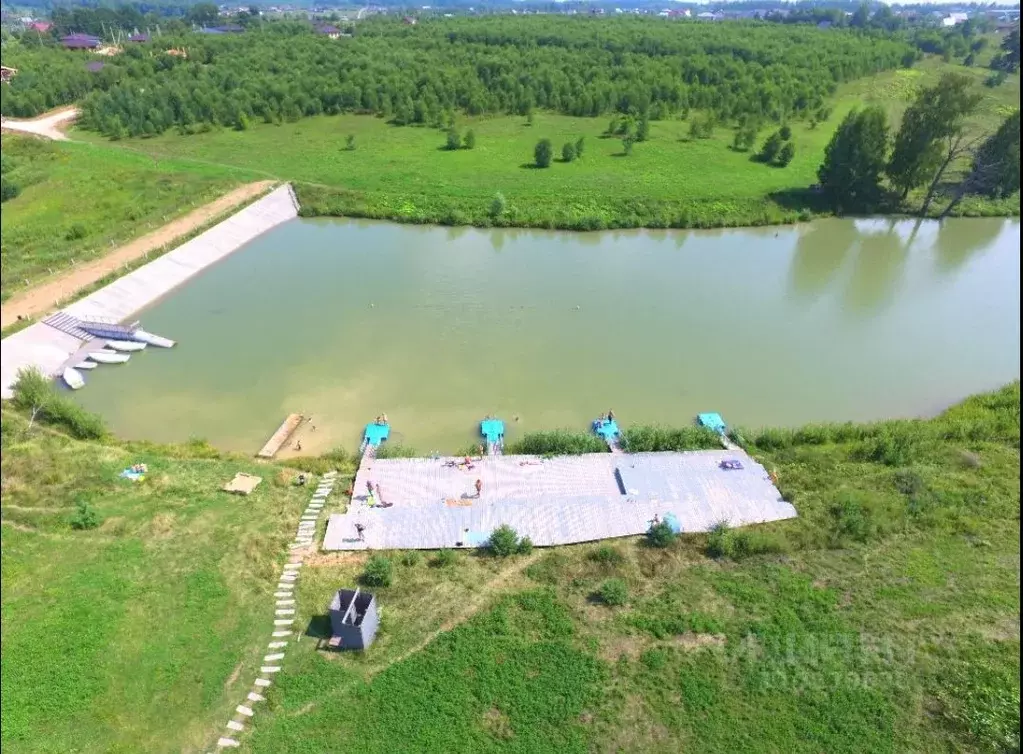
725	542
444	558
785	132
660	534
853	518
557	443
717	540
525	546
469	142
614	592
579	146
85	517
771	147
498	205
35	393
350	143
568	152
411	558
8	189
504	541
607	555
653	439
627	144
75	232
378	571
454	140
543	153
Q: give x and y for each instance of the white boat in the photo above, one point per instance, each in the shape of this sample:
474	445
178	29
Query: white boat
73	378
86	365
108	357
153	340
125	345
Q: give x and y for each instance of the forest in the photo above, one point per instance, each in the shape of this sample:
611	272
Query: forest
425	73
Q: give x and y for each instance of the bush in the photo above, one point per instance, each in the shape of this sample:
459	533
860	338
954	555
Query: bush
469	142
35	393
785	132
543	153
75	232
8	189
660	534
654	439
579	146
498	205
85	517
411	558
627	144
525	546
504	541
378	571
568	152
614	592
725	542
350	143
454	140
853	518
444	558
771	147
607	555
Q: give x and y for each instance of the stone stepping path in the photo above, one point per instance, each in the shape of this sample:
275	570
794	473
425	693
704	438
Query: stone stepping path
284	606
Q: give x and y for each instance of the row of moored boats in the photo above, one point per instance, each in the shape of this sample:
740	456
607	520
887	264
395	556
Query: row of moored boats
115	352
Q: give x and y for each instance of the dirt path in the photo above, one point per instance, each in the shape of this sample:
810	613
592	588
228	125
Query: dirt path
48	125
41	298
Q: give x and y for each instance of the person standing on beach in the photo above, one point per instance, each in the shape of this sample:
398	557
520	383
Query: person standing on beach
479	487
369	493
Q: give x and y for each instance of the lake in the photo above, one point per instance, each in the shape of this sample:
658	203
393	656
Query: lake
829	321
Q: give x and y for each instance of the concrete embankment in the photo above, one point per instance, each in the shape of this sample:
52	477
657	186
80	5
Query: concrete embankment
48	349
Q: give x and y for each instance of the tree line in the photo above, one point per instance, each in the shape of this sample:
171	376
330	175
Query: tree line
868	168
489	65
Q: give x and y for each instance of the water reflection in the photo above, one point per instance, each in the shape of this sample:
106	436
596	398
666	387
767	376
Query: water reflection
960	241
821	251
880	262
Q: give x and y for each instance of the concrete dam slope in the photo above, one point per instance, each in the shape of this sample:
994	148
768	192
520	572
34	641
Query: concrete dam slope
48	349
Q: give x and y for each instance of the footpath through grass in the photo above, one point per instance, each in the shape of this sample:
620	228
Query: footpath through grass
671	180
79	201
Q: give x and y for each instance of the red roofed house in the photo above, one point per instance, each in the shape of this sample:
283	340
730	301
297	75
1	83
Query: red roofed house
40	26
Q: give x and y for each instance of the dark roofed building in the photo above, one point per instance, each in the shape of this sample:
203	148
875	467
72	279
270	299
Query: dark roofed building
95	66
80	42
138	38
353	619
329	31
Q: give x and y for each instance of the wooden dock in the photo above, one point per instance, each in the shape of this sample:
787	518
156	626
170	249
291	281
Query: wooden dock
278	438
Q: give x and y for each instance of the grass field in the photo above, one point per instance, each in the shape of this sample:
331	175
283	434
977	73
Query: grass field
671	180
78	201
885	618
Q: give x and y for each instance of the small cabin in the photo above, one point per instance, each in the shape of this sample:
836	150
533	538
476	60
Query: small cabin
353	619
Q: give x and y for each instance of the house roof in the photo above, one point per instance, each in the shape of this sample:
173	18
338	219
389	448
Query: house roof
80	42
327	29
138	38
40	26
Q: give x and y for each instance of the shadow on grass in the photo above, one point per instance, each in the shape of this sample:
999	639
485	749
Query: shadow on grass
532	166
319	628
809	199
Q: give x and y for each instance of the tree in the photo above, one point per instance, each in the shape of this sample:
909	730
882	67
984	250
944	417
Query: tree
850	176
454	140
203	14
580	144
660	534
771	147
643	129
529	117
543	153
788	151
504	541
744	138
785	131
350	143
470	139
1008	59
936	115
568	152
995	171
627	144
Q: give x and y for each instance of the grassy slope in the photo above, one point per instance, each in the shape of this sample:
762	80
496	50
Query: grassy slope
110	195
404	173
129	637
900	633
891	625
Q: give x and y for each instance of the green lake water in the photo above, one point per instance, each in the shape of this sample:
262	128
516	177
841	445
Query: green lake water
342	320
